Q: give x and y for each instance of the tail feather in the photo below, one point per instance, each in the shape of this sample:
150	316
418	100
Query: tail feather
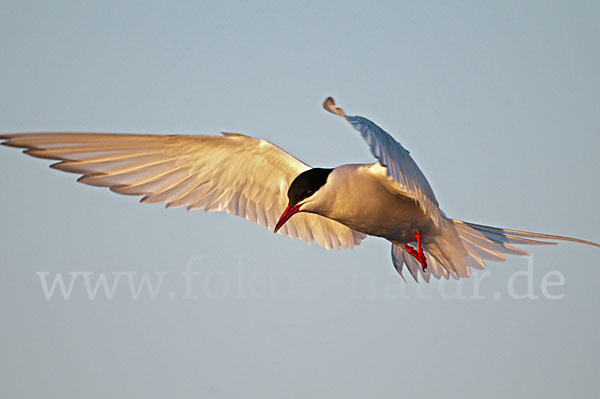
488	244
435	267
517	235
465	245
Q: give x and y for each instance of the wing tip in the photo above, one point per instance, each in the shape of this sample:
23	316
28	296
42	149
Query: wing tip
8	141
329	105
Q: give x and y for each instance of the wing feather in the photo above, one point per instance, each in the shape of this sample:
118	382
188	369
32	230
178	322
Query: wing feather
397	160
233	173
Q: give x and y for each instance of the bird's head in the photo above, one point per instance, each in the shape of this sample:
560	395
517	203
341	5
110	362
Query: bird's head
303	190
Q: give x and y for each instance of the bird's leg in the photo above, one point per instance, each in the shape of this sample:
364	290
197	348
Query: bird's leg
418	253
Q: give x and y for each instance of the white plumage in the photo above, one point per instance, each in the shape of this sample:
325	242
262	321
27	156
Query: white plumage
250	178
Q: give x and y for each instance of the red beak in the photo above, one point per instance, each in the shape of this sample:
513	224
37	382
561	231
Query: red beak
288	213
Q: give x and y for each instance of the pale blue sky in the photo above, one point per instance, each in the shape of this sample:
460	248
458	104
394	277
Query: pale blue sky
498	103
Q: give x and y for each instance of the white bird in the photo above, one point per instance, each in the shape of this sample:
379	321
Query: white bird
255	179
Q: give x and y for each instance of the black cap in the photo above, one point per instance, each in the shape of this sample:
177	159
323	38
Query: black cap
307	183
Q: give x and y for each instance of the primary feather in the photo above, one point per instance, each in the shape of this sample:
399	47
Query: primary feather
237	174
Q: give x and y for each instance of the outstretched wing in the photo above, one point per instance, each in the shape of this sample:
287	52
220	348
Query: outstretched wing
233	173
396	159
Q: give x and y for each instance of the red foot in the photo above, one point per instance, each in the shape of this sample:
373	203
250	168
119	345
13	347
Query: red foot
418	253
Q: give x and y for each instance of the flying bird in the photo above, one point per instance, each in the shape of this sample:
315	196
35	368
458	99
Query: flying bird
254	179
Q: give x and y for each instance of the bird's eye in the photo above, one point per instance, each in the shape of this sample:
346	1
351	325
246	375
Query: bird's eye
308	193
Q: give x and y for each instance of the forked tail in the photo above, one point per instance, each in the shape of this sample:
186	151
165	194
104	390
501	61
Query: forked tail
467	245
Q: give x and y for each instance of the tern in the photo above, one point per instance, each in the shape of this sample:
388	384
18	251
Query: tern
254	179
